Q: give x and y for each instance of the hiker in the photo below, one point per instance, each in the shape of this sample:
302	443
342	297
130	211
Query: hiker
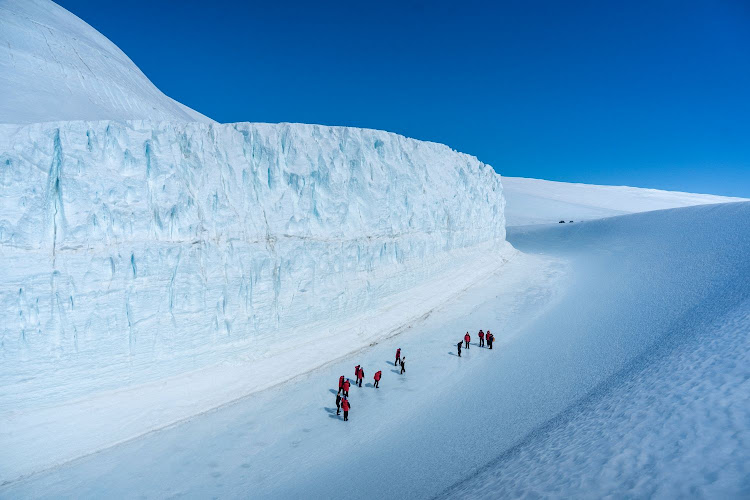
398	356
345	406
341	383
338	404
378	374
481	338
460	343
356	375
403	363
467	339
361	375
346	388
490	339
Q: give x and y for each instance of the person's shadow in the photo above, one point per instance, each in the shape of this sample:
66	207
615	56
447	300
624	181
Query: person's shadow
452	353
332	413
390	362
333	391
369	385
397	372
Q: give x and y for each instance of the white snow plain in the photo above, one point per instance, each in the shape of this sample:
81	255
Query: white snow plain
54	66
620	369
537	201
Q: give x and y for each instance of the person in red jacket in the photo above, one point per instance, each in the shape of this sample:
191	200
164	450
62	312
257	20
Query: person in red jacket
481	338
361	375
398	356
378	374
345	406
356	375
467	339
341	383
346	388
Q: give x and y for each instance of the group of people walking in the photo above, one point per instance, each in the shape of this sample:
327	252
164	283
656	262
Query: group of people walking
342	396
467	340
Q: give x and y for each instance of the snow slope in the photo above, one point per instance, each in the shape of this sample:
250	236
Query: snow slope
620	369
536	201
54	66
140	251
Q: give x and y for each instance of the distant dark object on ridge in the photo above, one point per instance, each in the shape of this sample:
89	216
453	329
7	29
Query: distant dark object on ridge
561	222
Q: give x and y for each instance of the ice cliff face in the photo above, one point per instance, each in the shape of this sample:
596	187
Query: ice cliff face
54	66
143	242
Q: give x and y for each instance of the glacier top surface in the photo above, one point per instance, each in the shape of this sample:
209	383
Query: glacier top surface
55	67
537	201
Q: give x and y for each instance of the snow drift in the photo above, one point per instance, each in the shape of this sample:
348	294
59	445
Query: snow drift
138	250
54	66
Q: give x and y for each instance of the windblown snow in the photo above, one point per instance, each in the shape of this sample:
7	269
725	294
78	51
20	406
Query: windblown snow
54	66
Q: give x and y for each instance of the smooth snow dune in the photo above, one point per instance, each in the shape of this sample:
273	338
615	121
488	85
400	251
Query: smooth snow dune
537	201
54	67
621	358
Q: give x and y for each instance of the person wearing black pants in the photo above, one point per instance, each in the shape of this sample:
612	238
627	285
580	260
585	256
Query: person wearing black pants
338	404
345	406
403	365
459	348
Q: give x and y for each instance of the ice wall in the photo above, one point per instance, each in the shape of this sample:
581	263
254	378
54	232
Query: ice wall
132	244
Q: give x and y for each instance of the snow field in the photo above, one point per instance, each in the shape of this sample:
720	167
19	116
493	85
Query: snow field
537	201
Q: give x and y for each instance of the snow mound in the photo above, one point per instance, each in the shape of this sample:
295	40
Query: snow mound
54	67
139	250
536	201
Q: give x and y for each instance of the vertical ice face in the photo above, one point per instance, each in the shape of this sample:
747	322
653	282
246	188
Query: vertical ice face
129	244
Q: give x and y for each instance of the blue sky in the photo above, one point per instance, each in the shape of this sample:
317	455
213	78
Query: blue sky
652	94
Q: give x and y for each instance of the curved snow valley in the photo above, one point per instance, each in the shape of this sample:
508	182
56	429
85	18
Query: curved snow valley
621	368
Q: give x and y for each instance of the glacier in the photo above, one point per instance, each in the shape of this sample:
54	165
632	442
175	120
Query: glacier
137	250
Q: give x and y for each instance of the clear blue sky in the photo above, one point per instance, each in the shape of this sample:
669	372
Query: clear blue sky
652	93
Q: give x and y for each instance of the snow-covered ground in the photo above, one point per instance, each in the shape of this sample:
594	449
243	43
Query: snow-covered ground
621	357
54	66
537	201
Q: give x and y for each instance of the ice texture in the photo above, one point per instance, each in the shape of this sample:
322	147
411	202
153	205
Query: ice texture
54	66
136	250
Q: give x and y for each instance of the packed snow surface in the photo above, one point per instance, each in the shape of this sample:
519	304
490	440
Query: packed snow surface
137	251
620	369
54	66
536	201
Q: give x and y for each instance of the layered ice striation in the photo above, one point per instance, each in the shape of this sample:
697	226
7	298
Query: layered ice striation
133	245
